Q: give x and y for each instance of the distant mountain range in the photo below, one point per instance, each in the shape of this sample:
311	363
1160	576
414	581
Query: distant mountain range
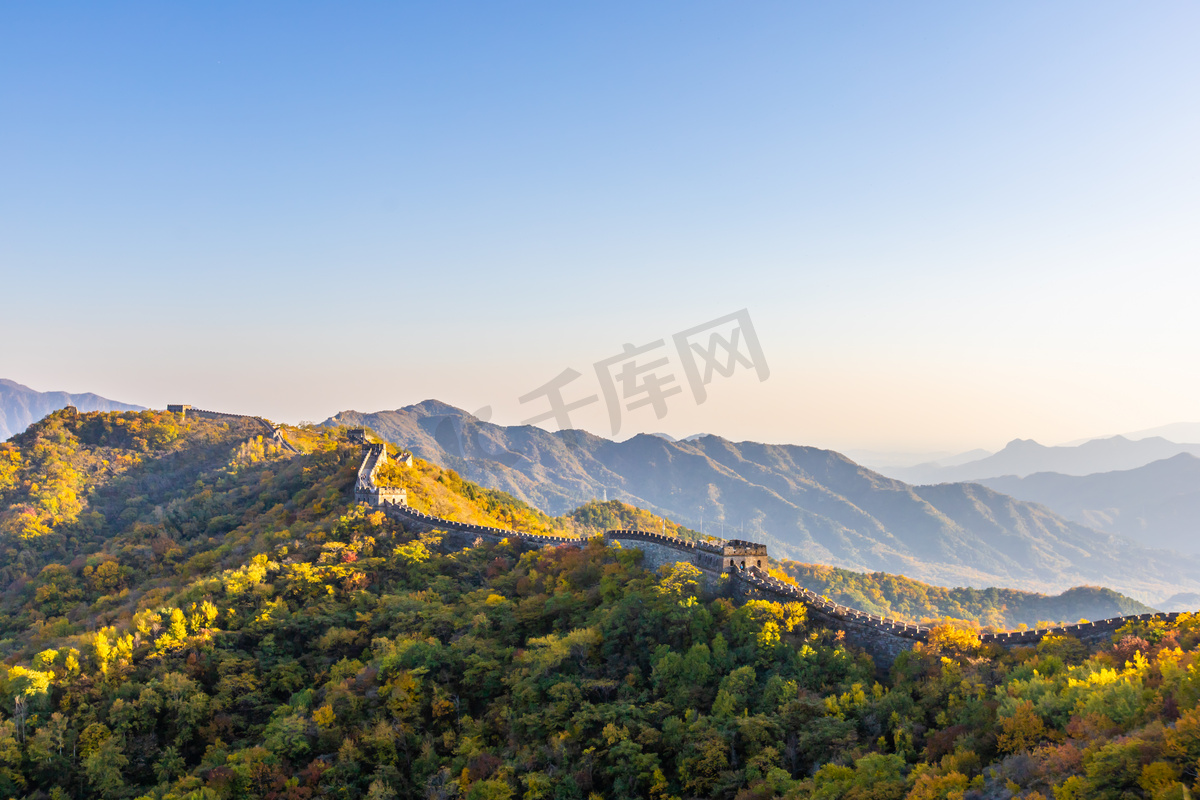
1175	432
21	406
808	504
1157	505
885	461
1022	457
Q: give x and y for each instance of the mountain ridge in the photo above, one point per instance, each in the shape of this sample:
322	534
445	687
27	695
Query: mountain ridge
1158	503
1022	457
21	406
806	503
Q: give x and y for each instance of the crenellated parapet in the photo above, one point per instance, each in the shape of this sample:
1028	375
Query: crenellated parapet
745	563
1087	632
884	638
269	429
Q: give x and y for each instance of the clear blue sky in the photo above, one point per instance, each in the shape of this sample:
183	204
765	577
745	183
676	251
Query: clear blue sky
952	224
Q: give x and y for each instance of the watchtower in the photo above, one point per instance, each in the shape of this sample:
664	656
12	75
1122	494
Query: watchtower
738	554
178	409
367	490
386	495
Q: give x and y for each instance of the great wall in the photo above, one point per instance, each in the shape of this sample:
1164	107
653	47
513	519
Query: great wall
882	638
271	430
742	562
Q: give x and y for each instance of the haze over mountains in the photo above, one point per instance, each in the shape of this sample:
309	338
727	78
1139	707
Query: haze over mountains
1022	457
21	406
1175	432
1140	485
808	504
1157	505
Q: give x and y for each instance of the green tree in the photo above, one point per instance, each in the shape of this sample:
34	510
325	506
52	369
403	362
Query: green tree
103	768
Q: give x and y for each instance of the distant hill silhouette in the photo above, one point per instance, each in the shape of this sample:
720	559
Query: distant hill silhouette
1185	601
902	598
21	406
887	461
1174	432
1157	505
808	504
1022	457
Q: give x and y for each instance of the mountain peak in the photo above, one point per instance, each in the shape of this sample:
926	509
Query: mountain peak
434	407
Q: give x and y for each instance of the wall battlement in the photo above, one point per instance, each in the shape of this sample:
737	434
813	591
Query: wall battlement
745	563
270	430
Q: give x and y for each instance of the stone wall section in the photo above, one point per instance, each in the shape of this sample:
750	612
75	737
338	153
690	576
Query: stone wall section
269	430
366	490
884	639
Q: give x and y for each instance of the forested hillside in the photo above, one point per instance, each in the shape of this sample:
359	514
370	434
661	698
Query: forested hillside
190	613
99	510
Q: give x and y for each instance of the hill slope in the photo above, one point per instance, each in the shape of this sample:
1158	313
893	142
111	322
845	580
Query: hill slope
808	504
195	613
901	598
21	406
99	510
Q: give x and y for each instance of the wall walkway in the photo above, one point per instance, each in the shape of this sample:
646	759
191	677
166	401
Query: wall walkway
271	430
883	638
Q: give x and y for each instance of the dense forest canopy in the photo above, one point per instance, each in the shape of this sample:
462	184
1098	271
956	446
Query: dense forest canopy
191	613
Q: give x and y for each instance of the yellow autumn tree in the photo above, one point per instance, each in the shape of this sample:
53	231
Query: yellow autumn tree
1021	731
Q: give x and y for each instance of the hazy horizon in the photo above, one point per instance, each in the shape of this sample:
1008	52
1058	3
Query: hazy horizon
878	458
951	226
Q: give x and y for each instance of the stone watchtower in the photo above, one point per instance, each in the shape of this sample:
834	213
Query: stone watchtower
389	496
366	490
738	554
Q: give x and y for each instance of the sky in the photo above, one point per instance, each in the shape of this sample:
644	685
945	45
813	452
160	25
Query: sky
949	225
